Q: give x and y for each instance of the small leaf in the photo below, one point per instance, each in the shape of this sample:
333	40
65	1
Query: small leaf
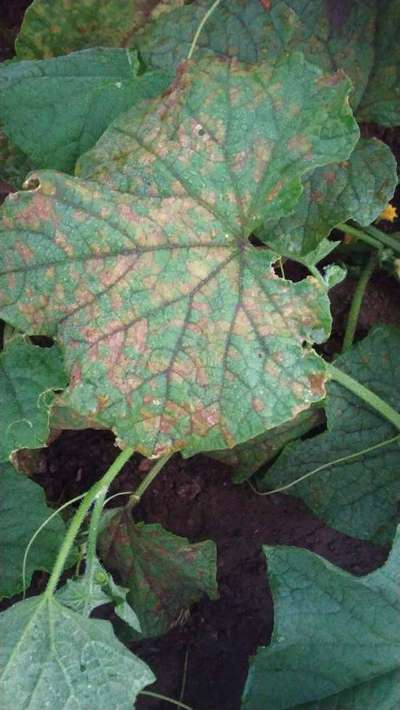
86	593
54	27
247	458
336	638
359	497
357	188
56	109
28	376
165	573
168	315
52	657
22	510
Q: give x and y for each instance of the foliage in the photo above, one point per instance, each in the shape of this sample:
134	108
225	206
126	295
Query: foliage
177	154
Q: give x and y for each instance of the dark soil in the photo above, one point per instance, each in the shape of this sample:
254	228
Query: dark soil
196	499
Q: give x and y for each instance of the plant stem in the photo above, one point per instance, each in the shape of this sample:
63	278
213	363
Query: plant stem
386	239
372	236
167	700
92	543
348	229
358	296
200	27
147	481
79	517
371	399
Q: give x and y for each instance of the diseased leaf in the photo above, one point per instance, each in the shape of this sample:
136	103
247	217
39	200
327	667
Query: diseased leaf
177	332
336	639
165	573
359	497
248	457
52	657
22	511
63	418
54	27
381	100
14	165
28	377
56	109
358	188
87	592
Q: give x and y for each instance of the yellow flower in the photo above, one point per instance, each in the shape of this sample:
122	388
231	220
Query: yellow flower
389	214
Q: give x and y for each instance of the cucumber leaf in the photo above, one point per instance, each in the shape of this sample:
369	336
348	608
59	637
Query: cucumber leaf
358	188
54	27
165	573
28	377
143	269
56	109
53	657
336	638
360	496
22	510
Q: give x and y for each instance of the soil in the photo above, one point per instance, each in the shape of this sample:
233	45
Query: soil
197	499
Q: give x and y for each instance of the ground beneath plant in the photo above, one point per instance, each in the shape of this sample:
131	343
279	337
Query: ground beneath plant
196	498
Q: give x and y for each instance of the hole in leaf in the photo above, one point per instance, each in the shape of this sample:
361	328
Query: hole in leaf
32	183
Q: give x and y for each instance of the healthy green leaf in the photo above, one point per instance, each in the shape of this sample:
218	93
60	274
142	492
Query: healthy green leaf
54	27
360	496
56	109
248	457
52	657
22	510
358	188
336	638
28	377
165	573
86	593
168	315
381	100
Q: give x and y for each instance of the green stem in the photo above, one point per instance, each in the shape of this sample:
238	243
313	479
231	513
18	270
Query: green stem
371	241
200	27
384	238
147	481
158	696
358	296
79	517
314	271
92	543
371	399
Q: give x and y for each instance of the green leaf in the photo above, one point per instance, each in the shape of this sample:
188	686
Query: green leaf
52	657
358	188
168	315
244	29
28	376
360	496
86	593
336	639
247	458
54	27
381	100
56	109
22	510
14	165
165	573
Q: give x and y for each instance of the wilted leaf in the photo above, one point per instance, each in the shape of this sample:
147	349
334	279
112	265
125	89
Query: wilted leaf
56	109
54	27
177	332
381	100
22	510
357	188
165	573
28	376
358	497
94	588
52	657
247	458
336	638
